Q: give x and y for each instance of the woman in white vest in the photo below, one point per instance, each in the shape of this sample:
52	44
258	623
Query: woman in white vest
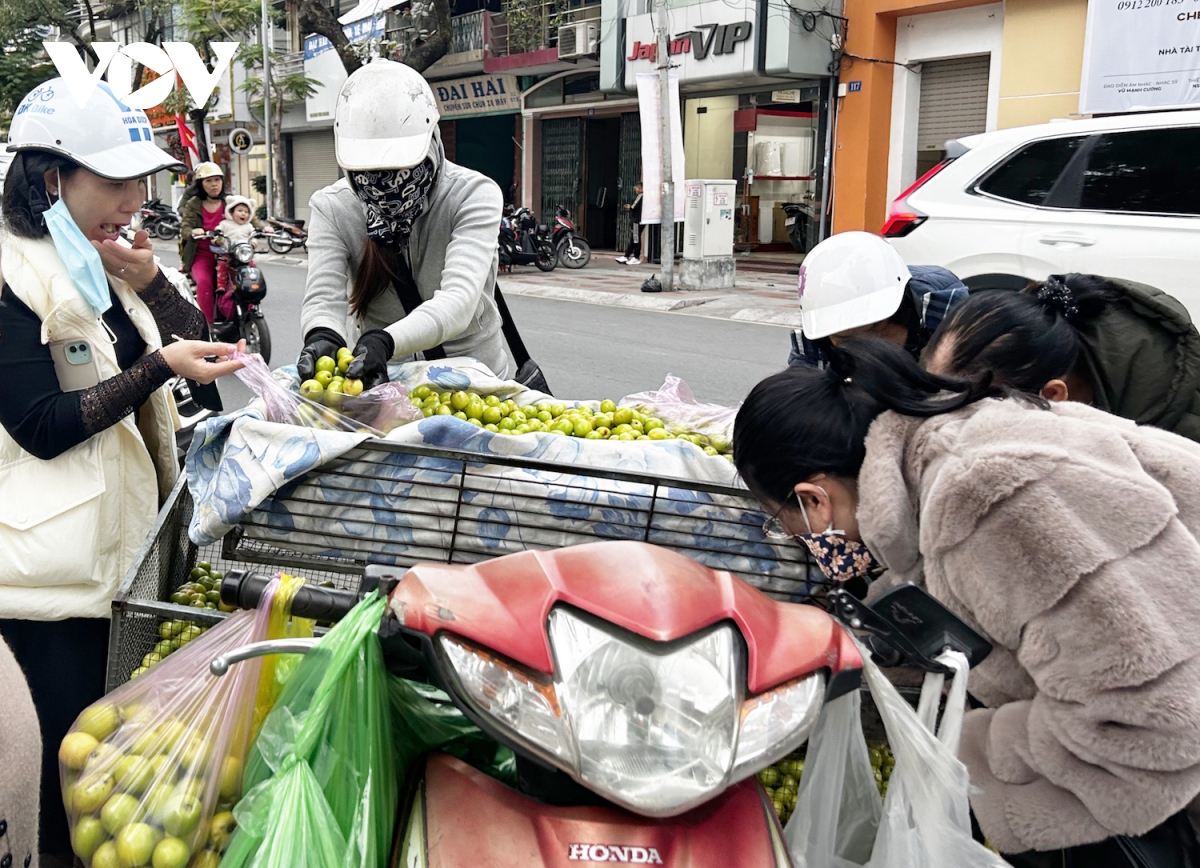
90	331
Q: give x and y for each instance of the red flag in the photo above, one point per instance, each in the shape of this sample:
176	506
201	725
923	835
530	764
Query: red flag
186	138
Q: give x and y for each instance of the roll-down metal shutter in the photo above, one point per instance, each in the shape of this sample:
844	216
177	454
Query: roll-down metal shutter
953	100
314	165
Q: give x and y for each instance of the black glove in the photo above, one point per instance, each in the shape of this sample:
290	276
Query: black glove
371	356
318	342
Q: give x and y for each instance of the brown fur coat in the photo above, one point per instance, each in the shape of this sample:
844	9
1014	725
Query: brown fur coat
1069	537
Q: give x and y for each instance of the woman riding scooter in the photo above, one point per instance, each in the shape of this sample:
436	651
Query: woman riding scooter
402	251
203	213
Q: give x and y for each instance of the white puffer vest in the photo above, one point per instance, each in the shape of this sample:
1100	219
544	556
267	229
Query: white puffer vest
70	526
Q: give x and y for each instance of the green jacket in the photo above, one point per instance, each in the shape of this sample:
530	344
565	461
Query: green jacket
1143	358
191	216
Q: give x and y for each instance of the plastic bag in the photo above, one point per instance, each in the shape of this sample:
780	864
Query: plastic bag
333	718
838	807
424	719
276	668
925	820
152	771
376	411
675	404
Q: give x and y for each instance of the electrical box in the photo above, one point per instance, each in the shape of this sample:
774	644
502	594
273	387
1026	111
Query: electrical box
708	218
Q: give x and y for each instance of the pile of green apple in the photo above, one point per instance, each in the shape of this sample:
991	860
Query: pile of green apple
329	385
610	422
134	791
782	780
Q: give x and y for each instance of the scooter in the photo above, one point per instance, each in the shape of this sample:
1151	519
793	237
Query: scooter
160	220
243	293
640	691
573	249
797	218
286	233
523	241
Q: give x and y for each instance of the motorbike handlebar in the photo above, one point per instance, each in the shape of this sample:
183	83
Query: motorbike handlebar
245	588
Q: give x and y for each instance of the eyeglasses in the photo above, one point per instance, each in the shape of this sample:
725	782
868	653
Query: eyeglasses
774	528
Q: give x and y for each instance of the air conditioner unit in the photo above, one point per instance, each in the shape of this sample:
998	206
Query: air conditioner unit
578	40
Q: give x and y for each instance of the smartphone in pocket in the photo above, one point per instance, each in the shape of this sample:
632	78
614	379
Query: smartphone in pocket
75	364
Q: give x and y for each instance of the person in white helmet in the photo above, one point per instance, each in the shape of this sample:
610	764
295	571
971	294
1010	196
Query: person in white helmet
203	212
855	284
90	331
402	251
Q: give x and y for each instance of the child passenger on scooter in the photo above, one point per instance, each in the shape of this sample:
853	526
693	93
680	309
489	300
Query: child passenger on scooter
238	225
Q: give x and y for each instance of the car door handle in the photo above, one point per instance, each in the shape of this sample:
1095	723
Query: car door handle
1068	238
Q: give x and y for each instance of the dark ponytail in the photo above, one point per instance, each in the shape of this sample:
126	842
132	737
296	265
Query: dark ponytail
804	421
25	196
379	269
1023	339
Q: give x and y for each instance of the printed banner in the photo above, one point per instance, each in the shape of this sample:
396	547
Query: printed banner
1140	55
649	106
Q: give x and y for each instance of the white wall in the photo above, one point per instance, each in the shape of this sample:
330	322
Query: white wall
937	36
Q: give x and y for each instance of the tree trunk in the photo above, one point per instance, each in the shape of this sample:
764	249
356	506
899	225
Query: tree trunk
316	17
425	53
279	164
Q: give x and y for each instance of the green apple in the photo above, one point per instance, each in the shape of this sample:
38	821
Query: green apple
196	754
170	853
231	778
104	758
99	721
156	799
118	812
87	836
92	792
106	856
223	827
325	363
181	814
75	748
135	845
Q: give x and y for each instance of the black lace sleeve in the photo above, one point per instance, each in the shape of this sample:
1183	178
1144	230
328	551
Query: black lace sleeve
110	401
172	313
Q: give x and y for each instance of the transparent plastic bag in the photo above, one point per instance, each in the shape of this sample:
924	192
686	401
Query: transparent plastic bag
838	808
152	771
376	411
675	404
334	719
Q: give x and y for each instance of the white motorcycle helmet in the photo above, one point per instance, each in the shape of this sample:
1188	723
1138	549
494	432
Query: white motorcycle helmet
850	280
385	118
207	170
106	136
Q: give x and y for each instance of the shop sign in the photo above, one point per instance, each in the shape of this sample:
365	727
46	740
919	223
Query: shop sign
713	41
1140	55
479	95
786	95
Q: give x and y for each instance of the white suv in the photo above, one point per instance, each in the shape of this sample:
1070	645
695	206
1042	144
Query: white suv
1117	196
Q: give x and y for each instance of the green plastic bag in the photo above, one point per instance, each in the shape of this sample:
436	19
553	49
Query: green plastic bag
329	734
423	719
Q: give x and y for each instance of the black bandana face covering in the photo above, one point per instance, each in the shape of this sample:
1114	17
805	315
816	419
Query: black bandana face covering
394	199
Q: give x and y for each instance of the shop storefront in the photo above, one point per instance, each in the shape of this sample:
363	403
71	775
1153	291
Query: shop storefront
481	126
756	83
582	151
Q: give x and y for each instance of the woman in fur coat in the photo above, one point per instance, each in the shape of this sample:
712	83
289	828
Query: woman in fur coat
1065	535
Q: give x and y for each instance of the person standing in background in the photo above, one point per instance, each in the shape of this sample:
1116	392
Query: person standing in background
633	250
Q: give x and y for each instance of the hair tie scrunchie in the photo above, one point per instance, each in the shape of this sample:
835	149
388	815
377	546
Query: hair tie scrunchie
1059	295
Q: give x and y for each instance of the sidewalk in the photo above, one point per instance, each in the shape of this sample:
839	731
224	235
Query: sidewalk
765	291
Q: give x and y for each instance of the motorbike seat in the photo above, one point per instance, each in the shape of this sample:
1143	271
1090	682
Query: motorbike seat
292	220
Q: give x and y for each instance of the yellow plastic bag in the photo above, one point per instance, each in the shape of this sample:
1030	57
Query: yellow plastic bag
277	667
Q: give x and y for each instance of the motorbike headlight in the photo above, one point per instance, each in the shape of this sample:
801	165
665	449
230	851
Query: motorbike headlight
656	727
243	253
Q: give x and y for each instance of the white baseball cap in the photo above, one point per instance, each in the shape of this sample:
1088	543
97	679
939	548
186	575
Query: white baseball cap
385	117
105	136
847	281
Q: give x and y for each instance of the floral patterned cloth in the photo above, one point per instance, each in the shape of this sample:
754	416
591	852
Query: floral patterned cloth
841	559
394	199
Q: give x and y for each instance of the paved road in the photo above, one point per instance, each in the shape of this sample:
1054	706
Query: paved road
586	350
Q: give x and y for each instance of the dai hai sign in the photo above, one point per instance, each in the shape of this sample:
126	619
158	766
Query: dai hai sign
479	95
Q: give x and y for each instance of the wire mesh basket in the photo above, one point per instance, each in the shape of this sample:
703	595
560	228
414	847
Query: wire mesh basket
387	503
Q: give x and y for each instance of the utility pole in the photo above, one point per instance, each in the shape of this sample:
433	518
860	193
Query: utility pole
265	33
666	252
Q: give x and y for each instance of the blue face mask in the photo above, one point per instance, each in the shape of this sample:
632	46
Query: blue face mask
77	253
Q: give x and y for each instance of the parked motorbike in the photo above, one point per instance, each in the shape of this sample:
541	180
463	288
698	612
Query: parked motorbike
572	248
797	218
524	241
286	233
160	220
244	287
640	702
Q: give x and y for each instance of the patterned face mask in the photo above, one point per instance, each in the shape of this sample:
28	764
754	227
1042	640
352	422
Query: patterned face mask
840	559
394	199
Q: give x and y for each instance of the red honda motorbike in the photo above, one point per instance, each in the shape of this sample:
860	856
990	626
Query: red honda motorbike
572	248
639	690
